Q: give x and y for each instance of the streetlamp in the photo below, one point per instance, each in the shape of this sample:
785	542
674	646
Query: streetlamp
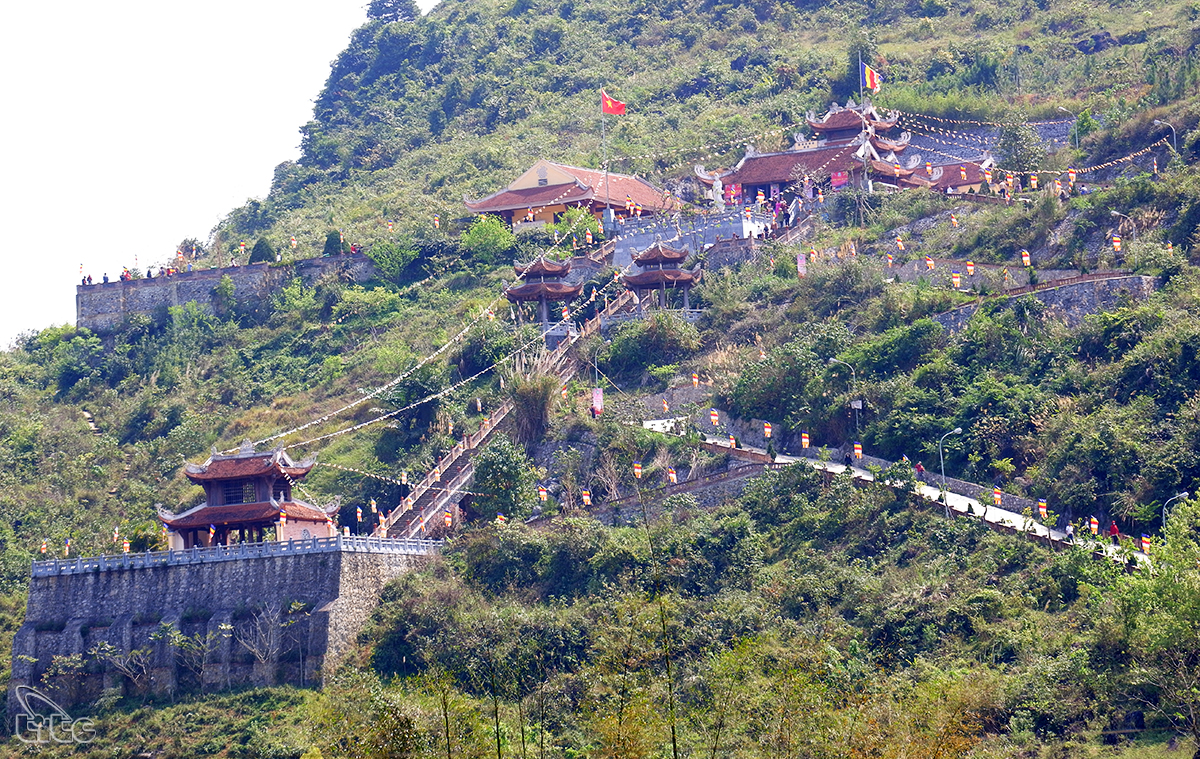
1132	226
942	461
1072	115
1174	135
853	390
1184	494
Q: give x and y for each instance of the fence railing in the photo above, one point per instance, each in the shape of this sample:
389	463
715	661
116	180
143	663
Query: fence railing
236	552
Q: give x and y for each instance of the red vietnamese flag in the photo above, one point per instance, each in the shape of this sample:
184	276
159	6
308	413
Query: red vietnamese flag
608	105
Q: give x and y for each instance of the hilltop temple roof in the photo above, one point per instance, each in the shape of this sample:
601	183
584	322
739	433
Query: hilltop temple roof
247	463
551	184
200	517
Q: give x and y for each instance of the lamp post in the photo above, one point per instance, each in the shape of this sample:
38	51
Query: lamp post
1132	226
1072	115
1184	494
853	389
1174	135
942	461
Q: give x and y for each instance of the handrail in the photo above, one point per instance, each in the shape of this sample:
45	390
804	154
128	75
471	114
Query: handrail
235	552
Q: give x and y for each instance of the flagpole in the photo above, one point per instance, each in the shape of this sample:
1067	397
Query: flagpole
604	144
860	78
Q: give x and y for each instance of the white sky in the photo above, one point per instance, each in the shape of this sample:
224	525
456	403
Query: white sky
130	125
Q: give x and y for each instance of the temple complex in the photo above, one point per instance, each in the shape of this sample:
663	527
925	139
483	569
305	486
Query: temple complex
543	193
660	269
541	283
247	499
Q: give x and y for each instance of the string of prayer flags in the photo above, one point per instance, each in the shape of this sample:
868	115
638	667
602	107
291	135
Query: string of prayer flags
1042	507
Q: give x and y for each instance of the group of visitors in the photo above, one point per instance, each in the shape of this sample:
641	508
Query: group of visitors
127	275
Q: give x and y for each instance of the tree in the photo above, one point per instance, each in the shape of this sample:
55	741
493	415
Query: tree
531	405
190	650
262	251
263	637
394	259
393	11
577	222
488	239
1019	147
134	664
335	245
505	476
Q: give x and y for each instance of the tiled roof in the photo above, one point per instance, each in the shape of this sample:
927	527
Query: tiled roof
242	513
542	268
590	186
552	291
659	254
781	168
247	464
659	276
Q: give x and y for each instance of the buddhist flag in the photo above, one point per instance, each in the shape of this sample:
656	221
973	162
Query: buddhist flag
1042	507
1057	187
896	168
1116	243
929	263
858	450
529	214
564	392
391	227
358	513
962	172
732	442
242	247
766	429
869	77
283	517
853	249
1094	524
450	427
900	243
1170	247
437	221
695	379
610	105
491	315
404	477
1071	176
543	494
997	496
804	438
987	175
928	168
68	547
712	414
747	212
672	476
44	546
666	407
1024	257
954	220
294	242
448	518
566	312
1155	164
125	547
820	197
812	254
637	469
970	268
890	259
587	498
212	532
500	518
760	198
116	534
762	354
374	508
1033	181
1145	543
1010	179
628	202
587	237
955	279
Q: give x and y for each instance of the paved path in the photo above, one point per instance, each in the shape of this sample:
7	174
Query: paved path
959	504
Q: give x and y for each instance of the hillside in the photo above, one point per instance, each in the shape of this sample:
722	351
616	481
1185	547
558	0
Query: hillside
802	617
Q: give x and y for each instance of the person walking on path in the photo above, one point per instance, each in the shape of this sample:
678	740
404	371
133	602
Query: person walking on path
1070	533
1115	534
920	472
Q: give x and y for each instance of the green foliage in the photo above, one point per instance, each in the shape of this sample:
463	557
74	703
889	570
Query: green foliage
335	244
262	251
395	260
660	339
504	475
1018	147
489	240
575	223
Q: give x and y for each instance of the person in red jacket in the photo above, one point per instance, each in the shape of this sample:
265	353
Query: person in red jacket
1115	534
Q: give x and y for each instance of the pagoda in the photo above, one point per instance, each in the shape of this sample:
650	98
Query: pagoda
541	283
246	495
660	270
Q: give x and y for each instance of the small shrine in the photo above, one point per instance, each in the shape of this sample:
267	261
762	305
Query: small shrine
542	283
660	269
247	497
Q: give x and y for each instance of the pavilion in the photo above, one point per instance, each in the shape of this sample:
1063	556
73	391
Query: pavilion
541	283
660	269
247	495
